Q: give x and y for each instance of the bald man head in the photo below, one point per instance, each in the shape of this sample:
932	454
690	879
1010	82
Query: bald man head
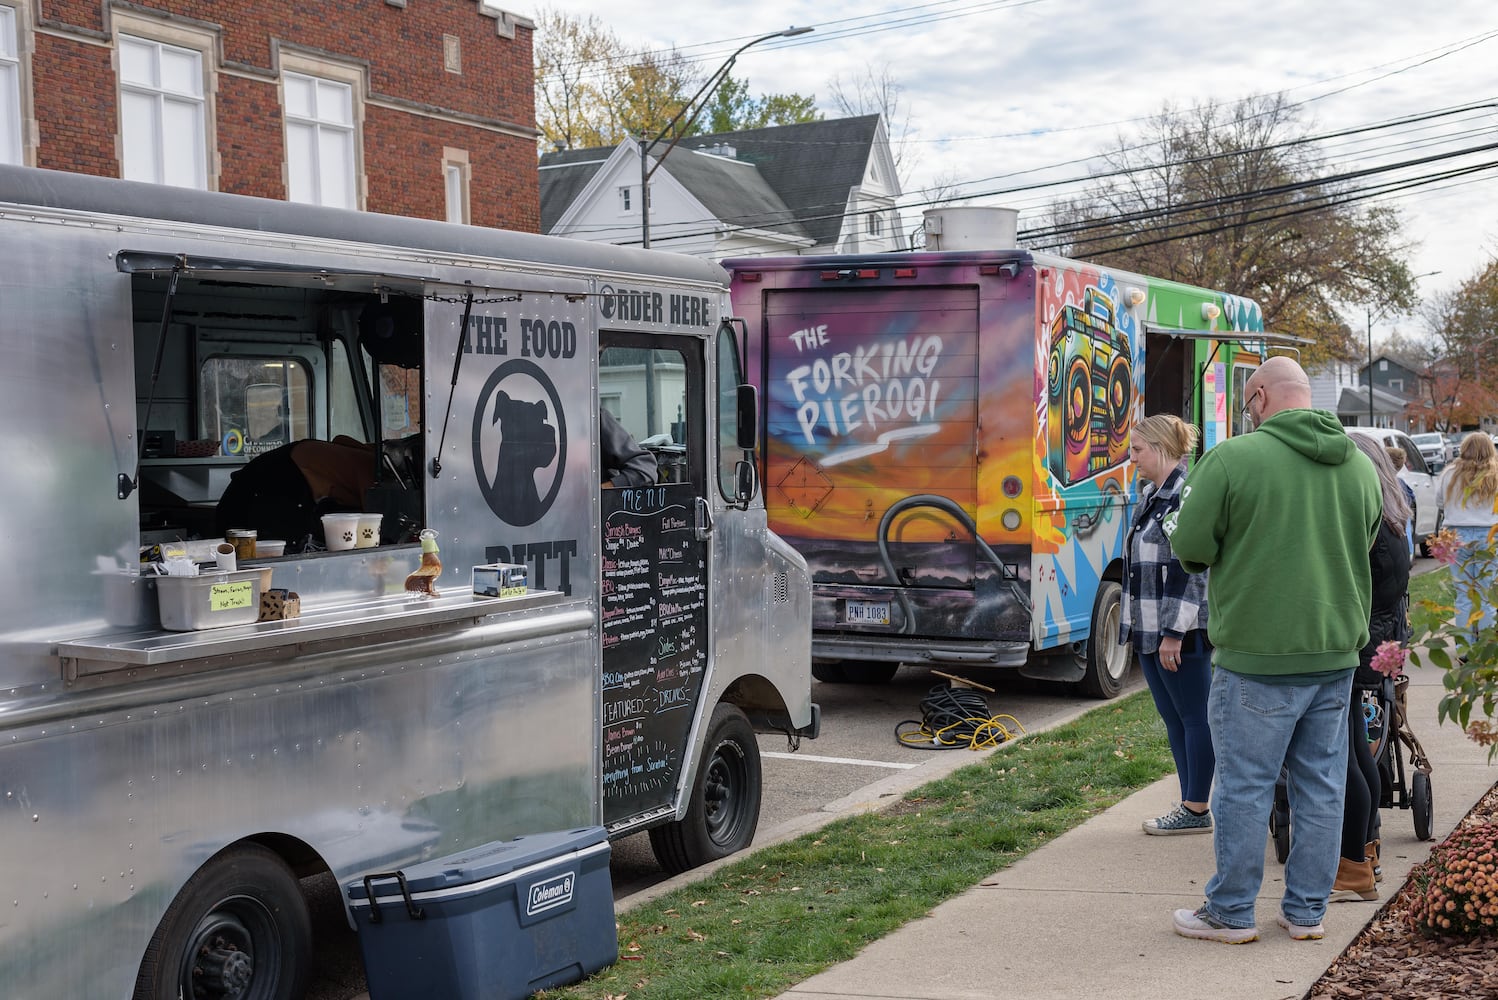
1278	384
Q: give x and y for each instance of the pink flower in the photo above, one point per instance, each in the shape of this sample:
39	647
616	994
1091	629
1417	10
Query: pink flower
1444	547
1389	658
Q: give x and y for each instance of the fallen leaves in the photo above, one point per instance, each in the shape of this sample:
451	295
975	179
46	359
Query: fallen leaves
1390	961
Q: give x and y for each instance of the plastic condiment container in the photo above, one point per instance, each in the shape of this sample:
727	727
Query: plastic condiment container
369	531
340	531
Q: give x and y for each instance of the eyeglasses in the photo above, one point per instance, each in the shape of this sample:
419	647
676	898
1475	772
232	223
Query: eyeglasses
1248	421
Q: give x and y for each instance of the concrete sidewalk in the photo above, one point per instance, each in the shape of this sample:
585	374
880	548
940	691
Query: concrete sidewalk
1090	911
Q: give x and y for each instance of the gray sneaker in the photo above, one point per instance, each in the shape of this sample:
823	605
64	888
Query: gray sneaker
1203	926
1177	822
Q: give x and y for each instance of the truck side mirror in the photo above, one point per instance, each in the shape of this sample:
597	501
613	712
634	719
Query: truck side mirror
748	417
745	485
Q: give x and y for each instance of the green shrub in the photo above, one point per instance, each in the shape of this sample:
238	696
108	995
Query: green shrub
1467	654
1456	887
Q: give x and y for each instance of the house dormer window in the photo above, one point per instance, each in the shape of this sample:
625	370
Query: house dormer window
624	199
875	224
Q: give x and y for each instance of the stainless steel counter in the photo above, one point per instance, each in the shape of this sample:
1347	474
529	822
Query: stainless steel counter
371	620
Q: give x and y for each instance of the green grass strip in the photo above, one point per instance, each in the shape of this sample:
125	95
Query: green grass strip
786	912
1434	585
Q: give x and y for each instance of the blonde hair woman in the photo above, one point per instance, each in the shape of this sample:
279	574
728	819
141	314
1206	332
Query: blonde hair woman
1468	495
1165	617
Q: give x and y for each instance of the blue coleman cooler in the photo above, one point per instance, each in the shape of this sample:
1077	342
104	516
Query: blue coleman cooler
497	922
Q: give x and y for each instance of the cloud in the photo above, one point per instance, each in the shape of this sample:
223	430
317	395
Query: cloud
1058	81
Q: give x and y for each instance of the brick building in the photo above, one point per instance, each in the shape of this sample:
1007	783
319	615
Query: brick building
409	107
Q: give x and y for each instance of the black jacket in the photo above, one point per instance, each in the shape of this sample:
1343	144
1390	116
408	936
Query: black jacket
1389	559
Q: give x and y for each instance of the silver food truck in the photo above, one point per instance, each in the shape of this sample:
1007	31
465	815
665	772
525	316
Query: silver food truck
477	642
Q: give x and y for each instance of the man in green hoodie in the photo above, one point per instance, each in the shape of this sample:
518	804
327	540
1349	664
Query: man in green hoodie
1283	518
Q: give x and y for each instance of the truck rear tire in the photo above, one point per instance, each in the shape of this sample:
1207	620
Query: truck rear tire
723	811
1107	659
239	928
828	671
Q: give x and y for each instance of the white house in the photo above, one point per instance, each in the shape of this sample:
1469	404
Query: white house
813	188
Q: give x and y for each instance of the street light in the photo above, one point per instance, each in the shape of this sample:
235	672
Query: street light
1371	318
646	171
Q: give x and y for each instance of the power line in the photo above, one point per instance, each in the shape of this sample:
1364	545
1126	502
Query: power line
834	210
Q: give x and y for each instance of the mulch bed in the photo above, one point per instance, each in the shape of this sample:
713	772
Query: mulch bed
1391	961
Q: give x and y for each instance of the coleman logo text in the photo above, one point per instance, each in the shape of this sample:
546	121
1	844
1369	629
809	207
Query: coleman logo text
550	894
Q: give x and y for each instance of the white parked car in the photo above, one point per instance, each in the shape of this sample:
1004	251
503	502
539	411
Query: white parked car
1432	447
1417	474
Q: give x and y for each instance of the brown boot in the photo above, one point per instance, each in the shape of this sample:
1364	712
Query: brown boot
1371	850
1354	881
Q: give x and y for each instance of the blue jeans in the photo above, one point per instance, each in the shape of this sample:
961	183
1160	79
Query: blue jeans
1470	538
1256	728
1181	699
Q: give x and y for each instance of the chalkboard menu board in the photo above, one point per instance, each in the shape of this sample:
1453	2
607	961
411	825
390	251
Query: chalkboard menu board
654	643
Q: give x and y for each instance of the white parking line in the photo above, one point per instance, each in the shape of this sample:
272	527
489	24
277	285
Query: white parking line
837	760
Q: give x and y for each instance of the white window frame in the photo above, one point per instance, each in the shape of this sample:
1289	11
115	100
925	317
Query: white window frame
15	87
197	99
874	225
456	179
625	200
333	75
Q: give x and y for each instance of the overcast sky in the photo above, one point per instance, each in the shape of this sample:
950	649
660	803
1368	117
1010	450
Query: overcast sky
1003	93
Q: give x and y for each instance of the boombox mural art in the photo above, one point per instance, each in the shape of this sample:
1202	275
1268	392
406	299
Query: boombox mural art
947	444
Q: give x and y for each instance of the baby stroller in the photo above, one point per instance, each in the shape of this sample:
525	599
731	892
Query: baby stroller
1389	737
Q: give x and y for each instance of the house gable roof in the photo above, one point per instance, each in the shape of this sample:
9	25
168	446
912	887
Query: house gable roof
812	166
564	174
734	191
791	179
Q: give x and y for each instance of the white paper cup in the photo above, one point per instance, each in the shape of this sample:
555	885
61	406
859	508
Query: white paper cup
225	557
340	531
369	531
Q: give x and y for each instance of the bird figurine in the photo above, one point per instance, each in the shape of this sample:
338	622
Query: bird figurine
424	580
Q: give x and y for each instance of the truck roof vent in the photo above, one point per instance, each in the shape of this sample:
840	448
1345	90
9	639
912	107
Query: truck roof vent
970	227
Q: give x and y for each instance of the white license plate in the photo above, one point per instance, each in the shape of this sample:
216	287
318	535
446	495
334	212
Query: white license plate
867	613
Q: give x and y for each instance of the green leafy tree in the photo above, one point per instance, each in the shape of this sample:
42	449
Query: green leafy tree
733	107
1231	197
593	90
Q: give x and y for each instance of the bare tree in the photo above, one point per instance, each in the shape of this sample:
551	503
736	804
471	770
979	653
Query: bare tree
1231	197
1459	355
878	92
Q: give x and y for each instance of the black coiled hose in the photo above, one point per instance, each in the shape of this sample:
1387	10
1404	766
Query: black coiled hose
955	718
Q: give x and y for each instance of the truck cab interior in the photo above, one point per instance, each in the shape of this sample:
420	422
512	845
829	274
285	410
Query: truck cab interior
269	399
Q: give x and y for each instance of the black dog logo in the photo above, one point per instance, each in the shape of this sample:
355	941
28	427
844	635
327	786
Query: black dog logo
528	445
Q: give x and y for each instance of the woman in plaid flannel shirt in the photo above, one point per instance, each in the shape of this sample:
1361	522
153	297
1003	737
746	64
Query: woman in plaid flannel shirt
1165	617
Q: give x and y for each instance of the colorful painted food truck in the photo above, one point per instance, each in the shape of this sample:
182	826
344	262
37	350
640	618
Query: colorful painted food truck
178	368
947	443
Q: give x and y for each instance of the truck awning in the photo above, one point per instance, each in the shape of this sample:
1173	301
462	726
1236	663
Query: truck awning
156	264
1242	336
